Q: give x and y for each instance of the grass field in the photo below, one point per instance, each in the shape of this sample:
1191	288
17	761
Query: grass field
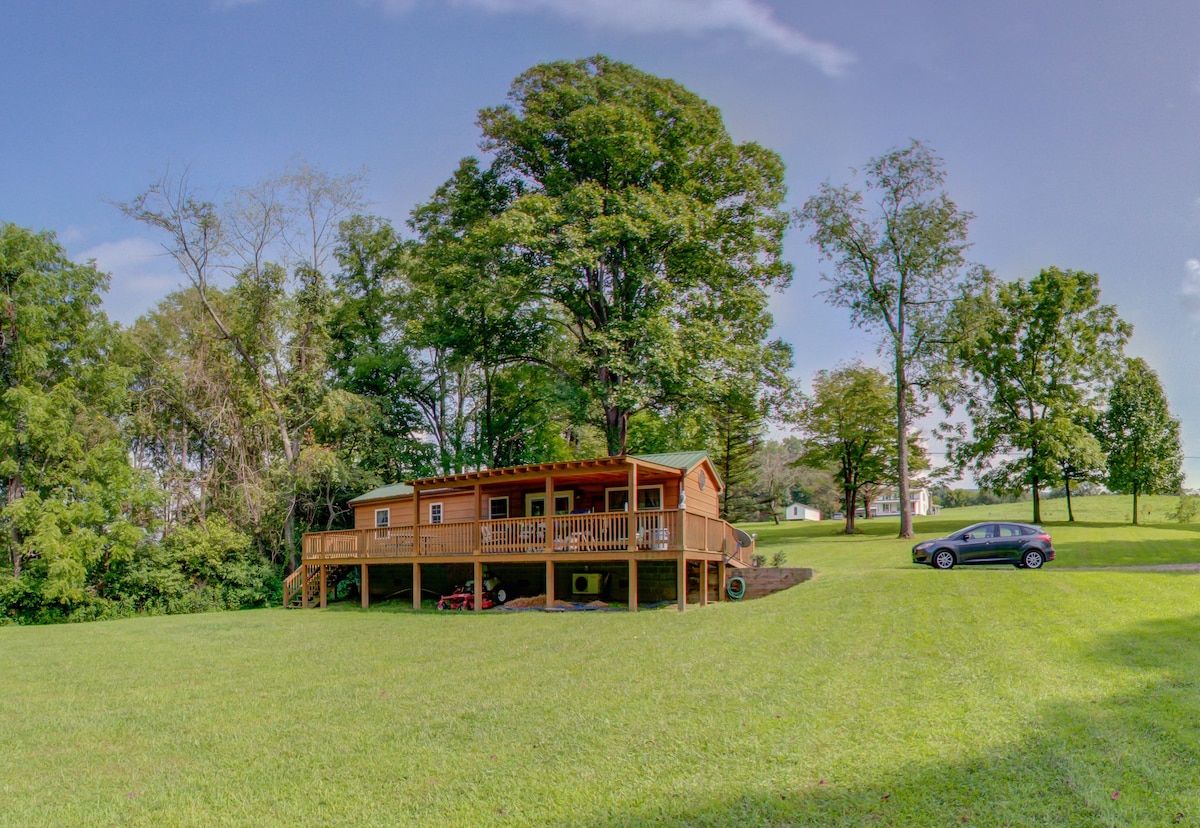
879	693
1101	536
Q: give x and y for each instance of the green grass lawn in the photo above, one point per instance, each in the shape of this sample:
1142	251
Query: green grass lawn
880	693
1100	536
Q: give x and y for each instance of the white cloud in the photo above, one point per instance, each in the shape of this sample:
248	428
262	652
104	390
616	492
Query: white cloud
1190	288
142	274
753	19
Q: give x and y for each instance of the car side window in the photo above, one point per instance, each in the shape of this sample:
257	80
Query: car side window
1009	531
981	532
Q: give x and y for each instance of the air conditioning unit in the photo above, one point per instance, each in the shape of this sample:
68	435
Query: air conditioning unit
585	583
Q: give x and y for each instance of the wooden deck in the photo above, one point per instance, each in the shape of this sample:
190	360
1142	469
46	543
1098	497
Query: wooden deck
677	535
521	538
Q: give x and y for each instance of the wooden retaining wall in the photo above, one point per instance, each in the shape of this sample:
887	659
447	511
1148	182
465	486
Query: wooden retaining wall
764	580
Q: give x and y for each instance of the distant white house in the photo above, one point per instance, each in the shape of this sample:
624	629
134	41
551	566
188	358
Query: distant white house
798	511
888	504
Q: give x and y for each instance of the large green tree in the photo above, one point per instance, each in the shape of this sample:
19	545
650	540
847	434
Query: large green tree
898	251
72	509
641	227
475	310
1145	453
845	427
1035	369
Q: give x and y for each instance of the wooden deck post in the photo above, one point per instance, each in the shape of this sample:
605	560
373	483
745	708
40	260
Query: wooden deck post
704	583
365	588
681	572
549	514
416	585
722	582
416	541
324	587
549	583
479	519
305	602
479	586
633	587
631	507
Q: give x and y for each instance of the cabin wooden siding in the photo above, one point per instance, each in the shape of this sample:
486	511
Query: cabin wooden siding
706	500
459	504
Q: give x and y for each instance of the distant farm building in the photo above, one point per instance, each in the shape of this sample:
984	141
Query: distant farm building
798	511
889	504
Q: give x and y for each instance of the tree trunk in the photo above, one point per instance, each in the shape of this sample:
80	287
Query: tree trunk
849	499
1135	494
906	521
1070	513
14	549
289	540
1037	501
616	424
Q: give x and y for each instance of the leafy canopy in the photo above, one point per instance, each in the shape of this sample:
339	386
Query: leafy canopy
647	232
1035	365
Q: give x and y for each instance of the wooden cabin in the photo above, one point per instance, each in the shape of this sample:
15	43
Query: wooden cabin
566	530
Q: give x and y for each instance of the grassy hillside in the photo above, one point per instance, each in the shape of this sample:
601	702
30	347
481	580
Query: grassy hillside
1101	535
879	693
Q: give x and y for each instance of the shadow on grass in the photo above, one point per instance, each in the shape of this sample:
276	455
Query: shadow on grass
1118	760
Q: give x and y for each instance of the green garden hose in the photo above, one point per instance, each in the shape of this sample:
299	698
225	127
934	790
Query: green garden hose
736	587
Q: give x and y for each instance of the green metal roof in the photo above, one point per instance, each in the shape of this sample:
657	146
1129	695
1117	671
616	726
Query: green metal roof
676	459
685	460
384	493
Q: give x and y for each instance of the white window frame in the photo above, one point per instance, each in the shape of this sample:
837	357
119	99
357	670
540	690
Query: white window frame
441	513
387	518
534	497
492	510
661	497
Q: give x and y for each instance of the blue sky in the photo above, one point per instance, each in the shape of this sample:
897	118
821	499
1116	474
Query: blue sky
1070	129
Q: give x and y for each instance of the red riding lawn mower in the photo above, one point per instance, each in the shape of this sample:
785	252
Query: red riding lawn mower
463	597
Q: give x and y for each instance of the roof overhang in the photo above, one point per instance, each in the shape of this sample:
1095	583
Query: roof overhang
512	474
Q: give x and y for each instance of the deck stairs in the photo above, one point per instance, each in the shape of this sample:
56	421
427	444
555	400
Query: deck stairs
303	587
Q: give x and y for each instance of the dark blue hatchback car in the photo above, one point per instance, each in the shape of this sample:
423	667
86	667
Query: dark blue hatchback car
1020	544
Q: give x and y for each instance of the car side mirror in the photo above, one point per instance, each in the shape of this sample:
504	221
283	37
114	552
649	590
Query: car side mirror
966	536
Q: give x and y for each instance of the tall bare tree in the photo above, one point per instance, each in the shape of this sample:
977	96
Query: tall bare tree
898	251
270	241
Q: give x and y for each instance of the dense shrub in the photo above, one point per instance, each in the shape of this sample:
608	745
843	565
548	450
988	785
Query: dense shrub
205	566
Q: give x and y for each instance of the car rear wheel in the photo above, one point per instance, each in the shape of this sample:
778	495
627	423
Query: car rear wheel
943	559
1033	559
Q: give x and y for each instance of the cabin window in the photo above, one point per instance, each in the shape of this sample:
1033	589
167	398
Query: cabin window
498	508
535	504
650	498
382	518
435	513
702	478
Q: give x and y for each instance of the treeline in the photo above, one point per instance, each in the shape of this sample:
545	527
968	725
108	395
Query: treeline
597	284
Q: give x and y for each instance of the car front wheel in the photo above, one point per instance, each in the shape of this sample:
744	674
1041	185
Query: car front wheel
943	559
1033	559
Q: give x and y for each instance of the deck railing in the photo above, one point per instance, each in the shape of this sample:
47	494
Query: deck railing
598	532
